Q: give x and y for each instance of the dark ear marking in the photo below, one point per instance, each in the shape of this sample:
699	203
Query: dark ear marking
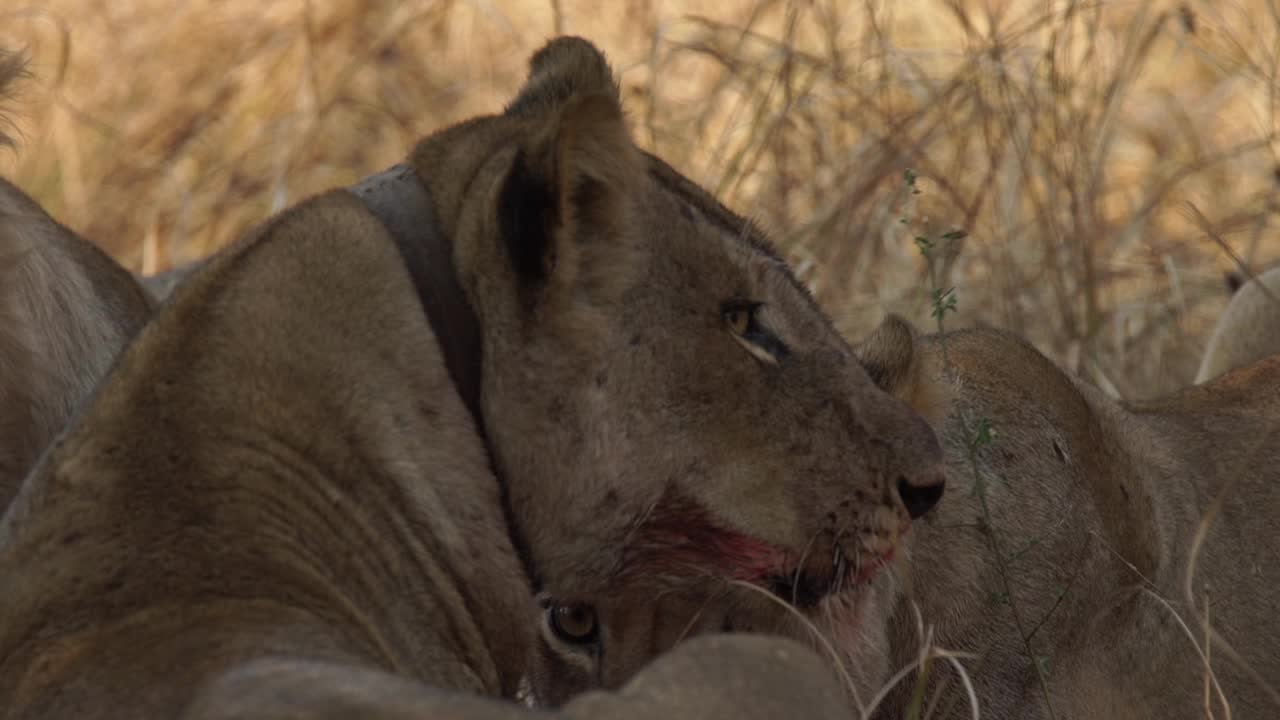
589	200
565	194
527	218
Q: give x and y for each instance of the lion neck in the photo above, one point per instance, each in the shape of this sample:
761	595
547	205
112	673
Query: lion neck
404	202
399	199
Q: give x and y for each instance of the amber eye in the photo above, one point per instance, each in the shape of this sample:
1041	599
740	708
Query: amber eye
738	318
574	623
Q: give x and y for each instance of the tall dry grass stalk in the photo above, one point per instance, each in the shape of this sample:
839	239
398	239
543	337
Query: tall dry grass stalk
1069	139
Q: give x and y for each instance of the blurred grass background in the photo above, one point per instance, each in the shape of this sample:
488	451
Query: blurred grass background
1109	160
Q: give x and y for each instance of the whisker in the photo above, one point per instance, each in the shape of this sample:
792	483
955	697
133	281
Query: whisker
817	634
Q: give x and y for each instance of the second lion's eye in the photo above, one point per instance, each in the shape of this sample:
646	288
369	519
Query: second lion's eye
574	623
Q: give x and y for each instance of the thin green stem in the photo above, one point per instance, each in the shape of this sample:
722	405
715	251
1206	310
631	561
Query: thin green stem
945	301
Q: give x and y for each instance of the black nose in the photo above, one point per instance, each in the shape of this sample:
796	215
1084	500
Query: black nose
920	496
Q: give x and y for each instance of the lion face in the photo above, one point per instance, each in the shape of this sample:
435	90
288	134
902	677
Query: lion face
686	444
753	464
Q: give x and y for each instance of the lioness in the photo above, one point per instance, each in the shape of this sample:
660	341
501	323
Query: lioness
1091	509
324	477
1095	506
66	310
1248	330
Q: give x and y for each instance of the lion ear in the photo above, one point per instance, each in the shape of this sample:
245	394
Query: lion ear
564	67
565	204
566	201
898	363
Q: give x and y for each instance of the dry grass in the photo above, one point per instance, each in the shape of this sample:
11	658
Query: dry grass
1090	149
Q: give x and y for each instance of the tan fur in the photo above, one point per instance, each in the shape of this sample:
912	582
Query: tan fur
1248	330
278	481
1097	504
712	677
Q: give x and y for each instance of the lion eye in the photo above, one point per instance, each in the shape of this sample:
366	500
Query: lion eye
574	623
740	317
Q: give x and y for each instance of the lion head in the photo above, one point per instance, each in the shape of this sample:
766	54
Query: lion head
673	417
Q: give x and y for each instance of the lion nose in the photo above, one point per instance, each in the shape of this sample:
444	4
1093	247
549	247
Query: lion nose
919	495
919	471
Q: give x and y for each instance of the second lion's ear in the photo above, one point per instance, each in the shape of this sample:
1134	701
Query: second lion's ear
566	202
894	357
888	354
